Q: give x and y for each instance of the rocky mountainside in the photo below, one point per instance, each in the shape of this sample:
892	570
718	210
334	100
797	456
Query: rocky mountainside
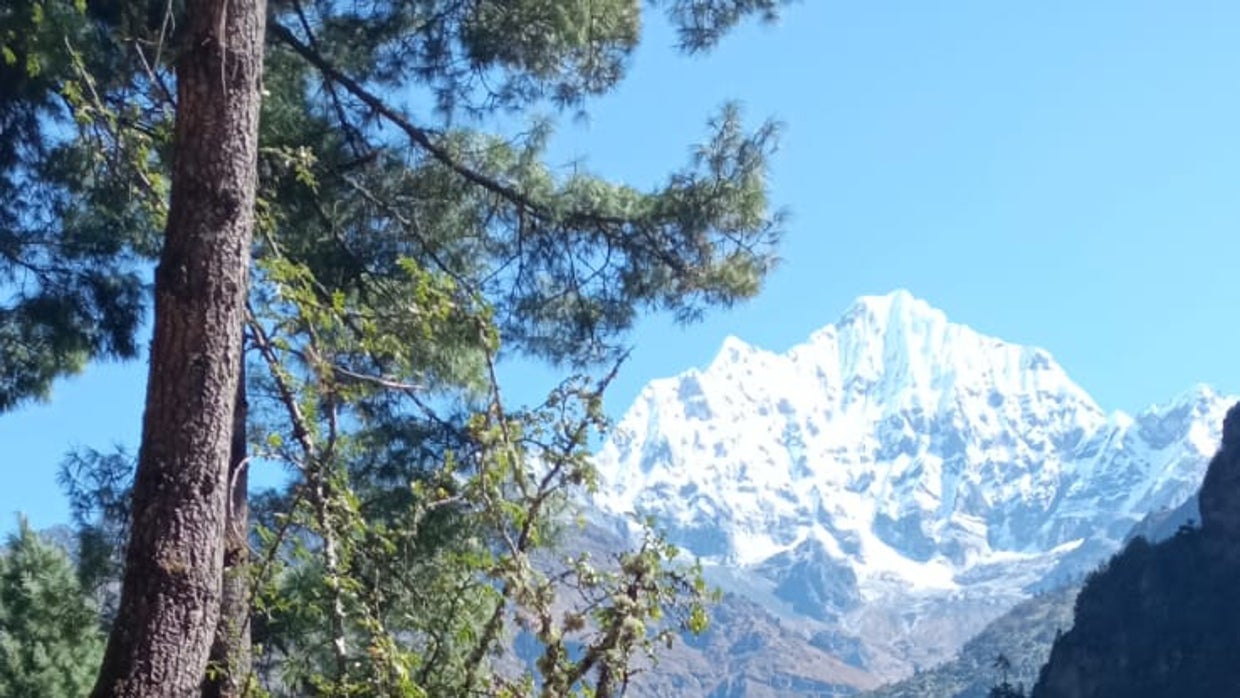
1023	636
1161	619
748	653
898	481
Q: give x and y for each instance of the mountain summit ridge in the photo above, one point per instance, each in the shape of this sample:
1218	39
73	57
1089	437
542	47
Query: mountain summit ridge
916	455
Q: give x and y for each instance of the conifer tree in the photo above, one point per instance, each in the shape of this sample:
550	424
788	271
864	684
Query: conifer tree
400	252
50	642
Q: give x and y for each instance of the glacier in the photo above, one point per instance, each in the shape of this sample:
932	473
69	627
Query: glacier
897	476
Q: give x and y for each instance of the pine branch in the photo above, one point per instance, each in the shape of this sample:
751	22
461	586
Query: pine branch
424	139
318	489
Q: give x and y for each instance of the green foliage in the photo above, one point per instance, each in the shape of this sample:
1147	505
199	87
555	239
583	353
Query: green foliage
1157	620
565	262
399	254
73	223
98	487
492	55
417	541
50	641
395	260
702	23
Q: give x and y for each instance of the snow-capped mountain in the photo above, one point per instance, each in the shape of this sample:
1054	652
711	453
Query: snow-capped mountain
896	454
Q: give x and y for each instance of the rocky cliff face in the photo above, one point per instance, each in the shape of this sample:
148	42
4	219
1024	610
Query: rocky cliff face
1162	619
1220	491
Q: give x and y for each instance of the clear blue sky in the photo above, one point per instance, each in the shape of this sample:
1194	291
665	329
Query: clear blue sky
1065	174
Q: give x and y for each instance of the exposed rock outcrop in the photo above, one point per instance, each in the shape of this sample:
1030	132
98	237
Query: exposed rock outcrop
1220	491
1163	620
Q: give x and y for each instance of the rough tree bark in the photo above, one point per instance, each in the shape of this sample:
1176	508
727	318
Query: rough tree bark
229	665
170	598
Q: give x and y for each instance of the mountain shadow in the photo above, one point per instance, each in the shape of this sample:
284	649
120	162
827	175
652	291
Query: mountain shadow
1162	619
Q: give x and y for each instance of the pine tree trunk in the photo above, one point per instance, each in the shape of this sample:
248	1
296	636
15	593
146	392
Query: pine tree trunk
170	597
229	667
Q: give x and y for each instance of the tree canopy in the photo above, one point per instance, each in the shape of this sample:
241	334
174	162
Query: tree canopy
50	639
401	247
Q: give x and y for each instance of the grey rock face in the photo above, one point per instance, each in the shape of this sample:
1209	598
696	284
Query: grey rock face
1220	492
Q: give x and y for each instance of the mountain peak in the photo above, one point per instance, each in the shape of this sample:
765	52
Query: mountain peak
733	349
896	302
1197	394
902	454
903	350
897	437
878	313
